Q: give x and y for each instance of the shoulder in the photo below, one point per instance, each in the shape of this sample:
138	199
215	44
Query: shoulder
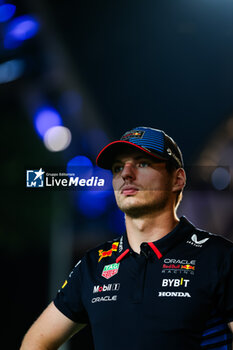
211	242
213	252
214	239
104	250
111	244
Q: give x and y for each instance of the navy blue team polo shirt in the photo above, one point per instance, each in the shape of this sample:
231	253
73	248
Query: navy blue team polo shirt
176	294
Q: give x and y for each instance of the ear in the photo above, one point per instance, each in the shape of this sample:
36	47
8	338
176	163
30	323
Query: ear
179	180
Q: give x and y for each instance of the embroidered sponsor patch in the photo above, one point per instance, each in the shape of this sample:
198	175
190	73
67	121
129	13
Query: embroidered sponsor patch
106	288
174	294
197	243
110	270
121	245
181	266
175	282
188	267
132	134
107	253
106	298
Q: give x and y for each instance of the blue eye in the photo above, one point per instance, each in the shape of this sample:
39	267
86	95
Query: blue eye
143	164
117	168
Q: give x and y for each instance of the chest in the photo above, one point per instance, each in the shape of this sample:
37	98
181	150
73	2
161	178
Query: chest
175	289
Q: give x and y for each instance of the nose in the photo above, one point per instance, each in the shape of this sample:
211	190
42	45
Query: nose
128	172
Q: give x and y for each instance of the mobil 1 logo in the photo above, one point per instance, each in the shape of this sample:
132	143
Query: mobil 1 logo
106	288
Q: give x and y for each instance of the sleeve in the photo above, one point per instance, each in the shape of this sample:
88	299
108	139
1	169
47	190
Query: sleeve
225	290
69	298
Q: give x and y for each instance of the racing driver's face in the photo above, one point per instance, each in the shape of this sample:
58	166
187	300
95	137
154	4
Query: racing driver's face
141	183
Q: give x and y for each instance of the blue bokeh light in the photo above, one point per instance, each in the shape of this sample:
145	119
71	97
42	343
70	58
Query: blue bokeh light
80	166
11	70
6	12
116	221
107	189
19	30
46	118
221	178
94	201
92	204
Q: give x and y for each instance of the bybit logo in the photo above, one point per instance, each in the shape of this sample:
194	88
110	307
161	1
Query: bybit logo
176	282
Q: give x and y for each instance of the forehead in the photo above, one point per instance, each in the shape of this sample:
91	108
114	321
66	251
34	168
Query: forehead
133	155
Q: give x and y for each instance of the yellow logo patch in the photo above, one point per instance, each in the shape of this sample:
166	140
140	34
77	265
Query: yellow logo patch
107	253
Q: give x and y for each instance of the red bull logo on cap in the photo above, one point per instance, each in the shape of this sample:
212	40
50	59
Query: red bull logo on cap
107	253
133	133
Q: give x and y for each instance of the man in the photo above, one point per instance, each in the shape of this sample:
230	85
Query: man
164	284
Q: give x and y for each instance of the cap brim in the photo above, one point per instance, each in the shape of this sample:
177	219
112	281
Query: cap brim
107	155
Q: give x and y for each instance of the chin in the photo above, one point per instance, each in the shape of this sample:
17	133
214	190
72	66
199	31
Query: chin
136	209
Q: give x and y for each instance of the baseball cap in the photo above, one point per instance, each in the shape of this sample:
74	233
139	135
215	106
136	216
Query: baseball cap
154	142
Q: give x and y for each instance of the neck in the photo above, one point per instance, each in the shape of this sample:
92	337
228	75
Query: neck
149	228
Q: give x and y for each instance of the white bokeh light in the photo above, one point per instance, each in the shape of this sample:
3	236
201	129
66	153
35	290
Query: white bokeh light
57	138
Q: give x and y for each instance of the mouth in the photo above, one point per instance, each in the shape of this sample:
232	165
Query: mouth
129	190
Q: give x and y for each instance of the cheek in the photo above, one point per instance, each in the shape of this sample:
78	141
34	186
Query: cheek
156	187
160	183
117	182
151	183
114	182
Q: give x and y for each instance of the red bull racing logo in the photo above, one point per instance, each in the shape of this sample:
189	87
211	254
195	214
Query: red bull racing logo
136	134
178	266
188	267
107	253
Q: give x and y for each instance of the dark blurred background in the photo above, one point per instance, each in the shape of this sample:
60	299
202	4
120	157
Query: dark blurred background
75	75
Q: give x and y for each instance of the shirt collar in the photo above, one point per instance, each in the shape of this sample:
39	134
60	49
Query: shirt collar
161	246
